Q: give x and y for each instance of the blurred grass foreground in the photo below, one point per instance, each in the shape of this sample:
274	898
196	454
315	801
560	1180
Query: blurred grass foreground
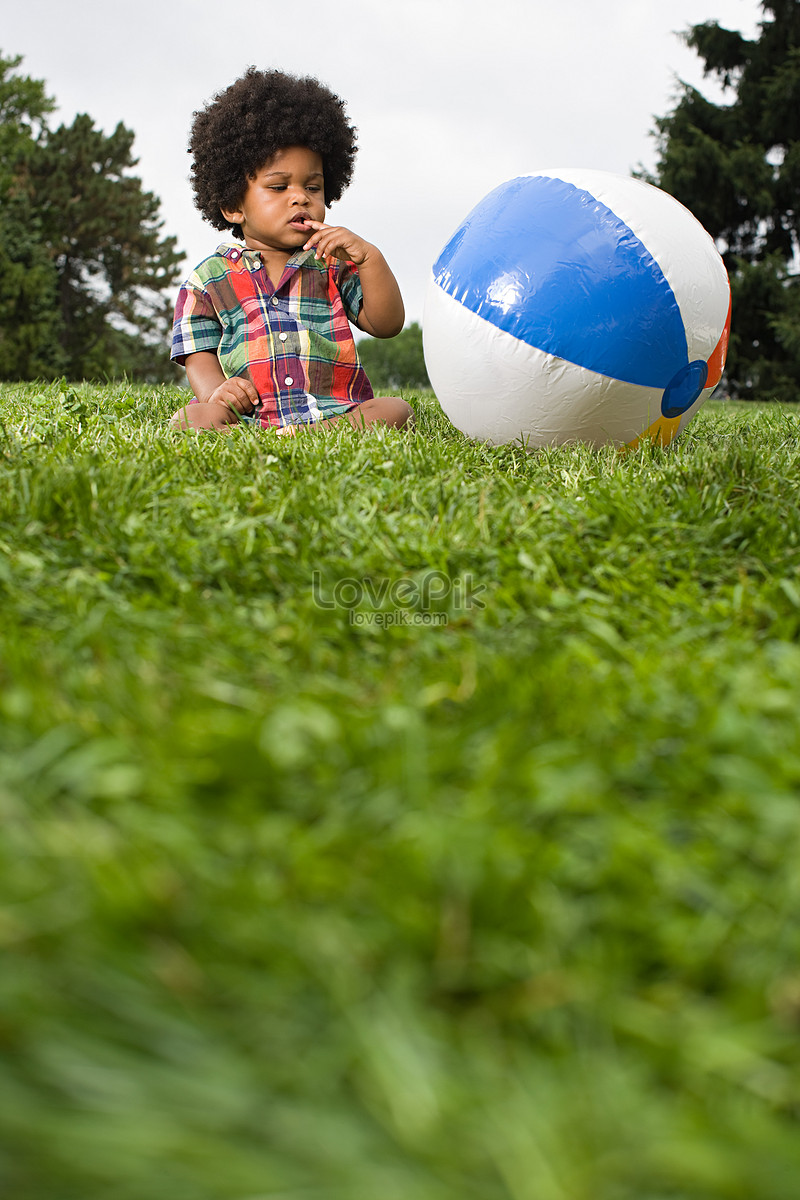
391	817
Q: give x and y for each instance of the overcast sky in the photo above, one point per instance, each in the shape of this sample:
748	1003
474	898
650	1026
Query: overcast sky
450	97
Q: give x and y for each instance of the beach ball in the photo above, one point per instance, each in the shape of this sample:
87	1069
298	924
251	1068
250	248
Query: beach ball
576	306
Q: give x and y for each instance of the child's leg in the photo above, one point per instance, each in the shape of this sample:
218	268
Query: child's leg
213	415
384	410
380	410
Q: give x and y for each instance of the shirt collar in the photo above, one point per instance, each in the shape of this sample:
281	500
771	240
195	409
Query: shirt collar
252	258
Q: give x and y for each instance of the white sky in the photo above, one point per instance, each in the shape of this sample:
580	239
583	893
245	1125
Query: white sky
450	97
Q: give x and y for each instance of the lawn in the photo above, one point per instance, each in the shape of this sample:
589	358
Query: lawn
390	817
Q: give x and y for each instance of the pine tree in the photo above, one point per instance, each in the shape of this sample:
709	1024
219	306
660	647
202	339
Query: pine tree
736	166
85	244
104	236
29	323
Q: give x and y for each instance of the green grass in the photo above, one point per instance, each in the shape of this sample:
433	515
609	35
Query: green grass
299	905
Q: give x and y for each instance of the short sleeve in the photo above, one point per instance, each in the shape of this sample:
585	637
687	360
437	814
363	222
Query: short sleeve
349	285
196	326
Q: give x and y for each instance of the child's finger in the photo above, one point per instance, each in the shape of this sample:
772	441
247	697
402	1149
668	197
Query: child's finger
325	246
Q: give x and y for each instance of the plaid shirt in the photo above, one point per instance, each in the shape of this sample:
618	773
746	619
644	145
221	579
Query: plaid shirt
293	341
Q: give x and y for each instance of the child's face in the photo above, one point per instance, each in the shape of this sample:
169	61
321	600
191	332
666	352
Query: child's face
287	189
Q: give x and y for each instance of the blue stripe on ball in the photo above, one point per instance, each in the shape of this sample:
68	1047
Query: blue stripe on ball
551	265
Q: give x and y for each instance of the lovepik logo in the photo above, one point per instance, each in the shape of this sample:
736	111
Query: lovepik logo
420	597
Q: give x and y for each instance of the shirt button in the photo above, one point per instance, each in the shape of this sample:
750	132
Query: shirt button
283	336
288	381
275	300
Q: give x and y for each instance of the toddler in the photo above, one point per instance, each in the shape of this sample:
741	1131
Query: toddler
263	328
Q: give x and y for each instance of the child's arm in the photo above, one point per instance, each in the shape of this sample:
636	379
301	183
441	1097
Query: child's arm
382	313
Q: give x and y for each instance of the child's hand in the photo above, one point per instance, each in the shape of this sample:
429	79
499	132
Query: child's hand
334	241
239	394
382	312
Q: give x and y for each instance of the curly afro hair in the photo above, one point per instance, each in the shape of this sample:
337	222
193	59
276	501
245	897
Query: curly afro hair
250	121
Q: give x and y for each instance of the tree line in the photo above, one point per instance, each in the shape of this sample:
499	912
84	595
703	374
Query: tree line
87	277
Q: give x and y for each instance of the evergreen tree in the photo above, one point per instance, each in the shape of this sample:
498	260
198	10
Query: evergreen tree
736	166
103	233
29	324
82	241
